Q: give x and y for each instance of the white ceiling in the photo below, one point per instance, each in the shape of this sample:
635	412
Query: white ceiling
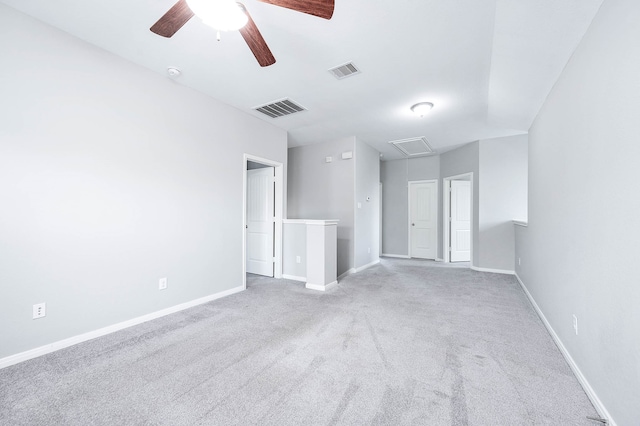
487	65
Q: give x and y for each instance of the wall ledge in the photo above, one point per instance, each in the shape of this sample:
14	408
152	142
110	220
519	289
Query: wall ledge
520	223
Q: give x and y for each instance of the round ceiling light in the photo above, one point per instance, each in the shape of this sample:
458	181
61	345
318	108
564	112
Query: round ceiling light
422	108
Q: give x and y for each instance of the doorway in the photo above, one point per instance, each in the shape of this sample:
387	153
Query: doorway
262	215
423	219
458	218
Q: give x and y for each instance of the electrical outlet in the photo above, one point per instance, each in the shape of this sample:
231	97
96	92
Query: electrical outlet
575	324
368	249
162	284
298	260
39	310
518	261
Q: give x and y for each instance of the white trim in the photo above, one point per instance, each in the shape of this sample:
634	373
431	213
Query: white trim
61	344
446	197
278	207
328	222
294	278
349	272
368	265
413	182
597	403
495	271
439	260
321	287
520	223
399	256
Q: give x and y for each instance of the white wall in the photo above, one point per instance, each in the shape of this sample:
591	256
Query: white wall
502	198
111	177
580	250
320	190
367	216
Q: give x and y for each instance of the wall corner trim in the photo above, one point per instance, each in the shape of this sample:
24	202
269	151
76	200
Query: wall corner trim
321	287
61	344
593	397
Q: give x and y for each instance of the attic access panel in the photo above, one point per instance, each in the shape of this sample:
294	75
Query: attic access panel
413	147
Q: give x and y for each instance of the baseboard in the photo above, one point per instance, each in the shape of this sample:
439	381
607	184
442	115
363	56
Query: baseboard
598	405
495	271
61	344
294	278
321	287
349	272
399	256
439	260
368	265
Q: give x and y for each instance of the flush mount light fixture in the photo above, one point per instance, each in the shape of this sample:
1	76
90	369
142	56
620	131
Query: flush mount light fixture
173	72
422	108
223	15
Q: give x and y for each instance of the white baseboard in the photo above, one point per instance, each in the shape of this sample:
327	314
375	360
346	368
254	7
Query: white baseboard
293	277
399	256
599	406
439	260
321	287
61	344
369	265
349	272
495	271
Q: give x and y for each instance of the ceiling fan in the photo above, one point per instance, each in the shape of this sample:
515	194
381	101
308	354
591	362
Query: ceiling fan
228	15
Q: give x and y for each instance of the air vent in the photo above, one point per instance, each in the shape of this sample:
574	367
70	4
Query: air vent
345	70
413	147
280	108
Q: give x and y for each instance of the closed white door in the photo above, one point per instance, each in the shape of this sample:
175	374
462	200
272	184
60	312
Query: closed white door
423	226
260	221
460	221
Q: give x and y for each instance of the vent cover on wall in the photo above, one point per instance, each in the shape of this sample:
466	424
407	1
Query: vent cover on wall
280	108
345	70
413	147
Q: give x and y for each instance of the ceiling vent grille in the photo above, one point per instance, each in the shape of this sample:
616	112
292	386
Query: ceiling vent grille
413	147
280	108
345	70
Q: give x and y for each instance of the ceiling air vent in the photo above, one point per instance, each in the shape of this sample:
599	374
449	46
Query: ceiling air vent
345	70
280	108
413	147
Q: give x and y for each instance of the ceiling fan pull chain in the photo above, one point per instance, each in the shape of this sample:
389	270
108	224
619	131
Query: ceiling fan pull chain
218	36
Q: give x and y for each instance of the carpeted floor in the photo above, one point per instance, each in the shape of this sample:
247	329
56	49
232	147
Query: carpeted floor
404	342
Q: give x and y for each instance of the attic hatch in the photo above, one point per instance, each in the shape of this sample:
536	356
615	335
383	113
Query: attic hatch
345	70
413	147
280	108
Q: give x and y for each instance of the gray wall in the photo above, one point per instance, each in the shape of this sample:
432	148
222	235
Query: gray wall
580	251
294	243
395	176
502	198
107	186
459	161
320	190
367	218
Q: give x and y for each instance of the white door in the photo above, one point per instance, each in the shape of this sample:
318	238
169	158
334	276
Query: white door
423	233
460	221
260	221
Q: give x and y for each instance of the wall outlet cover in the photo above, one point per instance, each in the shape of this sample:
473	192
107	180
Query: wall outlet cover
39	310
162	284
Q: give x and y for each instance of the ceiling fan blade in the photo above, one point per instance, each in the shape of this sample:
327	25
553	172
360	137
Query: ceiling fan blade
320	8
173	20
256	42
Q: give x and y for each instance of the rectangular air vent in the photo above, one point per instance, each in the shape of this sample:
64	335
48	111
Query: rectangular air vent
280	108
345	70
413	147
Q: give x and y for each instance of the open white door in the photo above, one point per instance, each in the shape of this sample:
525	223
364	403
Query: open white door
260	221
460	221
423	221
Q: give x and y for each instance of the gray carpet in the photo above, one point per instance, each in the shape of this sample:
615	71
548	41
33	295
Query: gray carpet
404	342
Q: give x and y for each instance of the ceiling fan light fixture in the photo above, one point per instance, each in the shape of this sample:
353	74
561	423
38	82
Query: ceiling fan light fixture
422	108
223	15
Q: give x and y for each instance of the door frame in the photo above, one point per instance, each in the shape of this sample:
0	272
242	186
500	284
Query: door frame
446	207
279	213
414	182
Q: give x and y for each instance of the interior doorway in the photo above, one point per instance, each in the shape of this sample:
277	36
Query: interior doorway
457	205
262	215
423	219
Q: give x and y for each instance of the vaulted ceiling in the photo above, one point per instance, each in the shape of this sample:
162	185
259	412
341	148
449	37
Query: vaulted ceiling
487	65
